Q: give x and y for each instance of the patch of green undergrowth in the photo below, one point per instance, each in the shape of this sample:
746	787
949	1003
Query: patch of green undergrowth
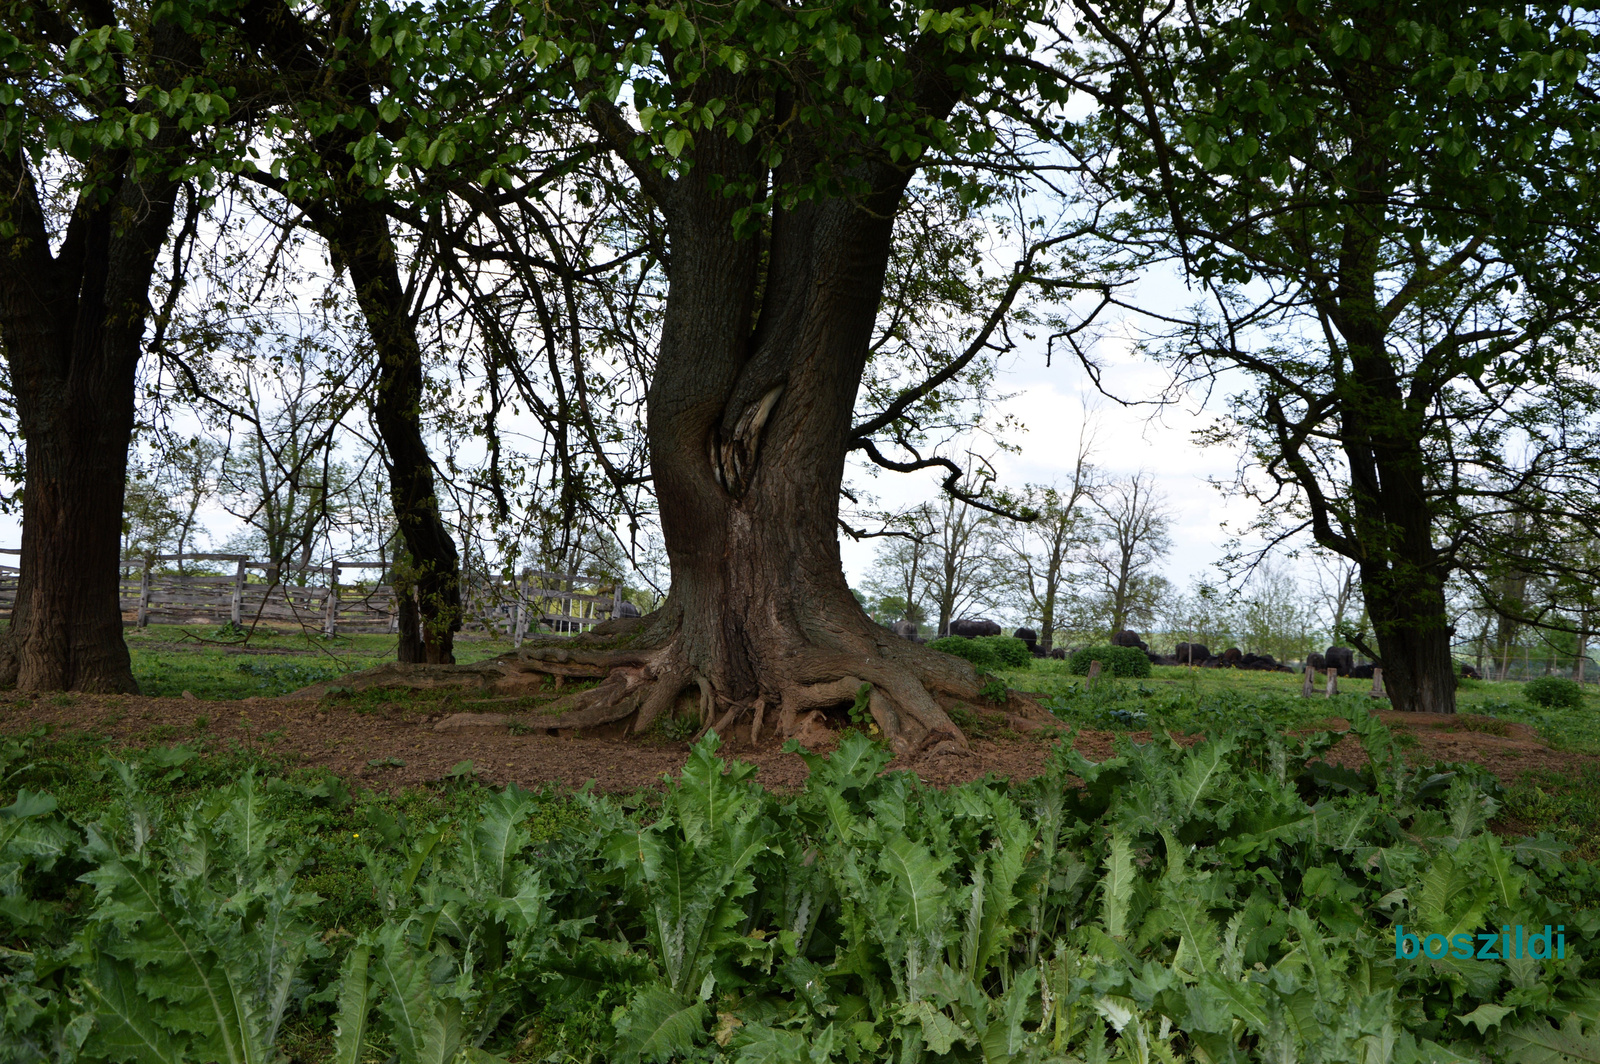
1231	901
213	663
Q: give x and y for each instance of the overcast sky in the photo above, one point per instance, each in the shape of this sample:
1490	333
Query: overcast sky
1049	404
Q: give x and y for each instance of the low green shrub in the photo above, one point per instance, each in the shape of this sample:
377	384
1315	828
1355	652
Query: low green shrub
1012	652
1553	692
981	654
1239	899
1127	662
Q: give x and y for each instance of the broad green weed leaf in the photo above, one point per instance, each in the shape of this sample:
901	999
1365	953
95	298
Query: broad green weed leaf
1203	767
1198	950
355	1006
939	1031
916	874
1485	1016
659	1025
760	1044
423	1028
1505	881
27	804
1541	1043
1117	886
1453	898
126	1028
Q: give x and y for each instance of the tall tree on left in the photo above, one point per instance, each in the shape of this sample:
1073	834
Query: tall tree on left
106	113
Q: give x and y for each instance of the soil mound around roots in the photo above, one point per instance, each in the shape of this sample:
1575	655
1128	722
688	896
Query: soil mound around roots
388	744
614	682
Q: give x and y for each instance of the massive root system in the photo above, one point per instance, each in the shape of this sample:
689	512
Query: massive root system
792	687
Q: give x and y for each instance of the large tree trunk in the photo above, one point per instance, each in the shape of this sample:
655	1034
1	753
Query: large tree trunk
1402	572
358	233
749	430
73	324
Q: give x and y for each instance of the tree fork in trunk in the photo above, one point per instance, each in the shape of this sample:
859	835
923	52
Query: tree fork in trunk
749	431
1402	574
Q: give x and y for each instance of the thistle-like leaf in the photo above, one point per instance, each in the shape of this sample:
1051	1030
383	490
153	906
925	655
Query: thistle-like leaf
355	1006
658	1025
1117	886
1540	1043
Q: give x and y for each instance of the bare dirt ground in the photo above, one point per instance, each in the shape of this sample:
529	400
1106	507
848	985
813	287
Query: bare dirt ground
1505	748
398	744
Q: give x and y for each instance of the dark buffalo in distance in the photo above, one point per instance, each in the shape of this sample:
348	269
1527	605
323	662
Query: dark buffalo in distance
1361	672
1129	638
1470	673
1031	638
1316	661
904	629
1160	659
627	609
1058	653
1191	653
973	627
1233	655
1341	658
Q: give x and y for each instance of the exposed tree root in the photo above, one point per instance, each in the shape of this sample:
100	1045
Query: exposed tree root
646	675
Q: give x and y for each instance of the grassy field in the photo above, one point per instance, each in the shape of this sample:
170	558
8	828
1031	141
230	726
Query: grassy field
171	659
1175	697
1202	699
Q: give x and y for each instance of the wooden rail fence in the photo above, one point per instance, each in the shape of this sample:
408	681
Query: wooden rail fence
328	599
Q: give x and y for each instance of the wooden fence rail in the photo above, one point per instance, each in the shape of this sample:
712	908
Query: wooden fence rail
333	599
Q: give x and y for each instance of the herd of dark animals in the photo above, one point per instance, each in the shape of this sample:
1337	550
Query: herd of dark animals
1339	659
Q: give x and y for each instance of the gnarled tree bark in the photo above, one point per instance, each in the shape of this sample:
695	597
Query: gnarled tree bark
763	349
73	325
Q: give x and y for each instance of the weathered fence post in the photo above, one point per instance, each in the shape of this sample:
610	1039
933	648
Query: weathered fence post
519	615
144	593
331	624
236	606
616	601
1094	672
1333	684
1377	684
1306	688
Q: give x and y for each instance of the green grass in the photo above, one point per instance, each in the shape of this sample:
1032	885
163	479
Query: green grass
1577	730
169	660
1177	697
1569	806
